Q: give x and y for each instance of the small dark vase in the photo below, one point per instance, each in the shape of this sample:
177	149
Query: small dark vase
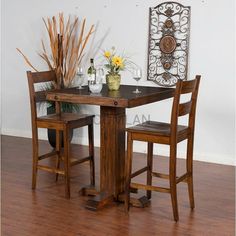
52	132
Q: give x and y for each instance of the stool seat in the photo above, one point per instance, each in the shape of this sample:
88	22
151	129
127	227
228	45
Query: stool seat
64	118
158	128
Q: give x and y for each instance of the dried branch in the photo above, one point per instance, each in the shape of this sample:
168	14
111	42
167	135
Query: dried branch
45	57
26	59
85	42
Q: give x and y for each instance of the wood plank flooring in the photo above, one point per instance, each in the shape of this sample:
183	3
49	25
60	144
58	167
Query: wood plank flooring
45	211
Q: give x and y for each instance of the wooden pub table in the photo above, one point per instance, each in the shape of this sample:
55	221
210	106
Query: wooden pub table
112	134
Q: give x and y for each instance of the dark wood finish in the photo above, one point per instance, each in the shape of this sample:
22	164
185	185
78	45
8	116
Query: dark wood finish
47	212
112	120
124	97
166	133
60	122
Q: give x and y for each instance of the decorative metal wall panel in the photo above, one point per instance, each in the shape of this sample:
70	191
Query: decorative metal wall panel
169	29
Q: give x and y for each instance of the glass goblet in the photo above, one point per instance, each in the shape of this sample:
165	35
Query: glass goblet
80	77
137	75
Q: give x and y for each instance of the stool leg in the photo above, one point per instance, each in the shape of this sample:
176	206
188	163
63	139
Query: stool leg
58	150
91	154
35	146
128	169
66	161
149	165
57	165
190	170
173	187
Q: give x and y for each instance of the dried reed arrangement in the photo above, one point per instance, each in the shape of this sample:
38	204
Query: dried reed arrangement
67	39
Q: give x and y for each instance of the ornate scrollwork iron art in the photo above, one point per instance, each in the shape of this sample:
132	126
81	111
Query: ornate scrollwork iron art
169	26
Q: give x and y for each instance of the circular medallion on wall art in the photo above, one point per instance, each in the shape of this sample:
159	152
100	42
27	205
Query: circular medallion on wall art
167	44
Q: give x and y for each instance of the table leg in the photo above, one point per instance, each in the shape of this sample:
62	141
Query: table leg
112	156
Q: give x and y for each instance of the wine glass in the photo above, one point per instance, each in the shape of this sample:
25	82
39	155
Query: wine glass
137	74
80	77
100	75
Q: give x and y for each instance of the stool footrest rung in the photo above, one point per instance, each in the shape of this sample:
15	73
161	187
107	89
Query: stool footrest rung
182	178
52	170
138	172
160	175
75	161
148	187
50	154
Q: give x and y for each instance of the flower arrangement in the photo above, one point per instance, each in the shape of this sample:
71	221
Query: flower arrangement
114	63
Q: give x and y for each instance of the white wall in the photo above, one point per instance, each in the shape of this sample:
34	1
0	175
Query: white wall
124	24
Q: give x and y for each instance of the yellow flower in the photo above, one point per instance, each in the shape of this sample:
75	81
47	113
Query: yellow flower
122	66
117	61
107	54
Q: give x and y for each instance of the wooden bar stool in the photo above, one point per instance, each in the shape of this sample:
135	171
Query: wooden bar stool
170	134
61	122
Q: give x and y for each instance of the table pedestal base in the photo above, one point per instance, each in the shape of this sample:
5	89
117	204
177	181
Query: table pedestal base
89	190
99	201
136	202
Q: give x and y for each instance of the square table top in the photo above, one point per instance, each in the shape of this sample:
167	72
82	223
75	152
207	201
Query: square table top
124	97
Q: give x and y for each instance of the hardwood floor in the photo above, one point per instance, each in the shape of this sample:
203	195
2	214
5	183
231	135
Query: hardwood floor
45	211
